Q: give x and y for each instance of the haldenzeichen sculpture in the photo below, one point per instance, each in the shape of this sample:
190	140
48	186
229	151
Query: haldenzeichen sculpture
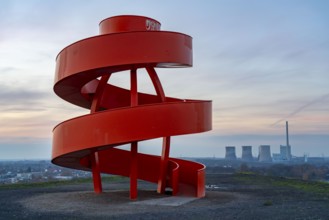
120	116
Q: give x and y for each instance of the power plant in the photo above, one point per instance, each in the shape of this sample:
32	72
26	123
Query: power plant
285	150
230	153
247	153
264	153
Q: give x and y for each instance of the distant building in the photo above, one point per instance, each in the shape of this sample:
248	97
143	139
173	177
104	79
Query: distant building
284	155
264	153
247	153
276	157
24	176
230	153
315	160
285	152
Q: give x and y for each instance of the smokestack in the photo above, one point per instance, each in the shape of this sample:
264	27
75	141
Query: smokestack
246	153
230	153
287	154
265	153
287	134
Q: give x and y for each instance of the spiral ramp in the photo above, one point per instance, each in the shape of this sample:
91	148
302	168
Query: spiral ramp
120	116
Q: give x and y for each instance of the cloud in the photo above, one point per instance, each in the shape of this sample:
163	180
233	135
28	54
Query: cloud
6	70
23	101
301	108
20	96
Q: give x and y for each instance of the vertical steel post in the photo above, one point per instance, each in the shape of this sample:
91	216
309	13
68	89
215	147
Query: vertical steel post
133	170
134	145
95	166
98	94
163	165
162	181
96	173
156	83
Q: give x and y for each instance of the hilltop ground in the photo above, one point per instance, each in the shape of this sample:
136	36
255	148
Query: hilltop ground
235	196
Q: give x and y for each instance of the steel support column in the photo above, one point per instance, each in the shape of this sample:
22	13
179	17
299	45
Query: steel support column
97	180
164	165
96	173
133	171
134	145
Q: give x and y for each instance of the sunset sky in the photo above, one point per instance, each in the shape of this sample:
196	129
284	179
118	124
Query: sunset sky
260	62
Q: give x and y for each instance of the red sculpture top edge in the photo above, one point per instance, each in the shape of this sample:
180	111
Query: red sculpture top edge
121	116
128	23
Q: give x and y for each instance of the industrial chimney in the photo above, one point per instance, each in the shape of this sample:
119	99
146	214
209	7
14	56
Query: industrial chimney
287	134
286	152
246	153
230	153
264	153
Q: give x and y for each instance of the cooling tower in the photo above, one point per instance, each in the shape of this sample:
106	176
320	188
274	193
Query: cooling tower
264	153
246	153
230	153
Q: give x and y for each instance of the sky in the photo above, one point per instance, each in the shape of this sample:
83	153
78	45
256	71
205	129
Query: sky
261	63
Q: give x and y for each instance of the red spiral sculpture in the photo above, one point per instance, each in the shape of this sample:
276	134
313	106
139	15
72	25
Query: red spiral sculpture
120	116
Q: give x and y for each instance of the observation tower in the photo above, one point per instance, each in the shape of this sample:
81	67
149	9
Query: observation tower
120	116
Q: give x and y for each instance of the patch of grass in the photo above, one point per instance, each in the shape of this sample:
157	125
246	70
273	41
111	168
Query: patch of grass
306	186
253	179
246	173
54	183
268	203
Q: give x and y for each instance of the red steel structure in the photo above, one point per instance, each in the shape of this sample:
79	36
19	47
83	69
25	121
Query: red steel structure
120	116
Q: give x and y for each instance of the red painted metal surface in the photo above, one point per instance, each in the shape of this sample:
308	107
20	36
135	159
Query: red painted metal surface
121	116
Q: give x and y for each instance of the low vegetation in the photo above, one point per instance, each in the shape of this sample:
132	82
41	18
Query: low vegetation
317	187
60	182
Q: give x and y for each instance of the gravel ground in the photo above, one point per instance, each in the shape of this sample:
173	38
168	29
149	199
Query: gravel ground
229	200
